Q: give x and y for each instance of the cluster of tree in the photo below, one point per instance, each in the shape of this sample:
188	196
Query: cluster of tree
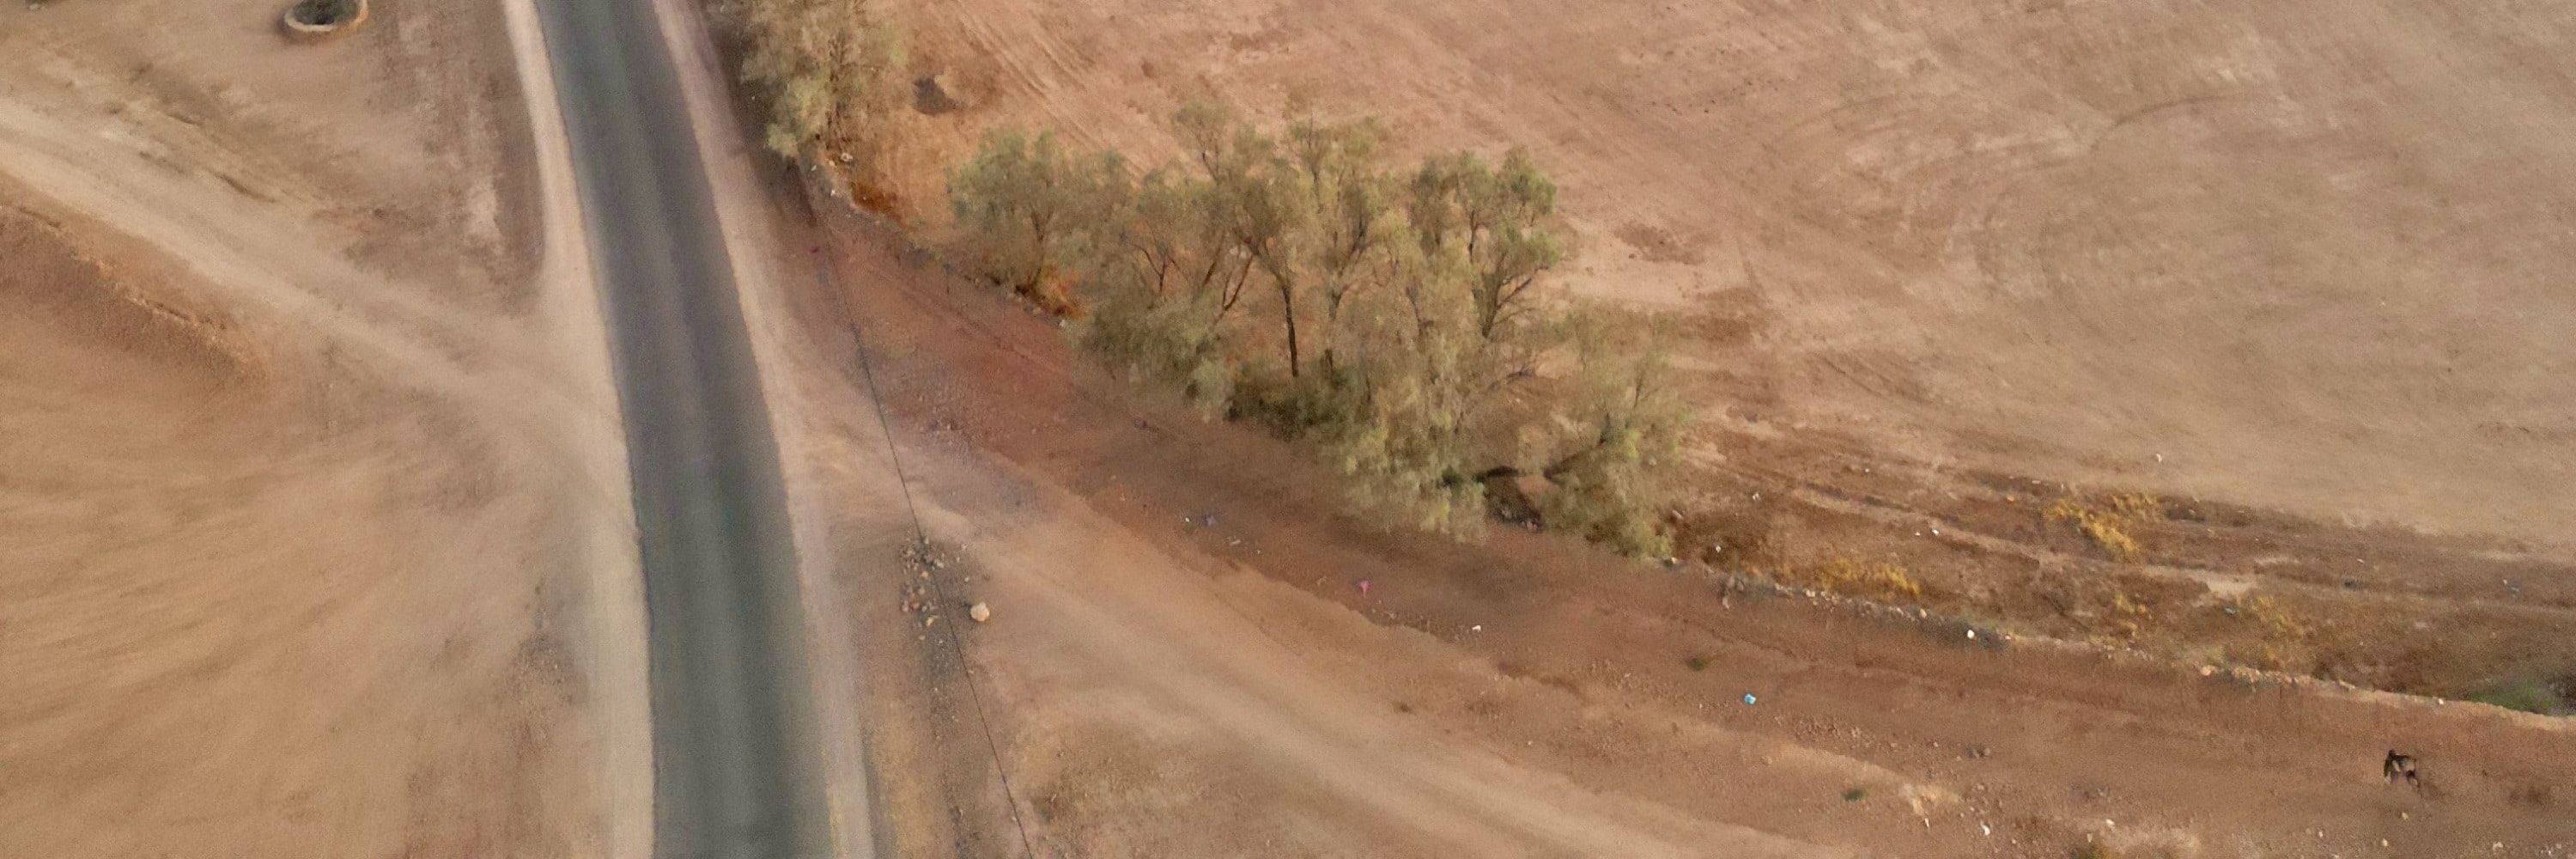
823	69
1398	319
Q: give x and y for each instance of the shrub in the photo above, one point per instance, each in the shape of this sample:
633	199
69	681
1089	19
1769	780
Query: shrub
2108	529
1847	577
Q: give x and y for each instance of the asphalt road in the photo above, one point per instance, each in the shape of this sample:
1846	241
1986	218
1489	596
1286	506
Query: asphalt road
733	762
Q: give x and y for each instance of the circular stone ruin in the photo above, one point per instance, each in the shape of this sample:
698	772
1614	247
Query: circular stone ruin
315	20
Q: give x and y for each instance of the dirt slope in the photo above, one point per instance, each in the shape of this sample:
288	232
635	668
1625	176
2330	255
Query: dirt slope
306	467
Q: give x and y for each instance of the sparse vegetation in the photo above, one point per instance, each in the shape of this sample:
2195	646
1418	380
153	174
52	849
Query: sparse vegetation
1398	320
1696	663
2277	623
2282	636
2527	695
2126	620
1880	581
1855	794
2107	525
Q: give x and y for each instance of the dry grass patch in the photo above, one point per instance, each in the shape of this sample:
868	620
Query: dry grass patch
1881	581
2107	524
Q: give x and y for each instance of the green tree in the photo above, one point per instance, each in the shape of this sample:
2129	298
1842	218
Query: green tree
1356	225
1031	211
1438	352
1625	417
822	66
1492	223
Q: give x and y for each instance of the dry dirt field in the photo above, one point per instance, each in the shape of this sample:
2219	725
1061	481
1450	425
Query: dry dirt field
307	454
2283	270
2293	253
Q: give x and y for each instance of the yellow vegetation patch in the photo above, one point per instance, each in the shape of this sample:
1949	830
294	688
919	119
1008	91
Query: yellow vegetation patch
2107	526
1847	577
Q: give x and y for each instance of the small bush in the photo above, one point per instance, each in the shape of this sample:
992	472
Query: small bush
2126	619
1855	794
1697	663
2279	624
1877	581
2108	528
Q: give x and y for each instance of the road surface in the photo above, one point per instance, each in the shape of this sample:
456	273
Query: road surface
732	759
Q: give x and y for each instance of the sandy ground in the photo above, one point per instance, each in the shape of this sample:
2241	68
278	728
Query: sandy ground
311	463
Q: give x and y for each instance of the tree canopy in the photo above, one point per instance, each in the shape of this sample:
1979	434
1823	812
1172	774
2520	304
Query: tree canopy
1400	320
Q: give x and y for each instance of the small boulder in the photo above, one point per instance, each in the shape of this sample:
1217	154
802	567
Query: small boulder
980	612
